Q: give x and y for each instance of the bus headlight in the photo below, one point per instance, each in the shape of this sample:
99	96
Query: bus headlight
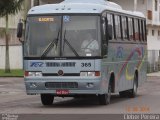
33	74
90	74
38	74
83	74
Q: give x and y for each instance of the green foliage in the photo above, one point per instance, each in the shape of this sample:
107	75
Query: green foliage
13	73
10	7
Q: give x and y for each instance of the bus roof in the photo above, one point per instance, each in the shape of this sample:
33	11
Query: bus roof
81	6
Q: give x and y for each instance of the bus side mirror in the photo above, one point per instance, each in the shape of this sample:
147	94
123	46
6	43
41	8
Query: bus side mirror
19	30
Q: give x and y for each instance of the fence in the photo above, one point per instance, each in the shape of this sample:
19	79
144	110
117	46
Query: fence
153	61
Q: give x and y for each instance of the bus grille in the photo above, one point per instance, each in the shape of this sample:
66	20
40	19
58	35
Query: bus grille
65	74
62	85
60	64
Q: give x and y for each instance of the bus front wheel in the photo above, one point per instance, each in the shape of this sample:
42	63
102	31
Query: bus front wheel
47	99
105	99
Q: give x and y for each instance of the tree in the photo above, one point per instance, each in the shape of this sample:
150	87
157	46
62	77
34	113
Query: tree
9	7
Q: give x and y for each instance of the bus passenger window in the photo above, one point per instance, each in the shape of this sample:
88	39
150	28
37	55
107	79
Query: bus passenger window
104	41
130	25
104	28
117	26
110	26
142	30
124	27
136	32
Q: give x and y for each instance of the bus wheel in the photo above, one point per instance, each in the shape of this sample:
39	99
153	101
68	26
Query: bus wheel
133	92
47	99
105	99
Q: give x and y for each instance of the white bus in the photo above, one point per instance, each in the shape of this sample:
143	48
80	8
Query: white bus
84	47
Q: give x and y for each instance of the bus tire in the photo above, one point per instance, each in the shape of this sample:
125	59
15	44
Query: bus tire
105	99
133	92
47	99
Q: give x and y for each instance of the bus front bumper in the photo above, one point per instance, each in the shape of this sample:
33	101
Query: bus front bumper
74	85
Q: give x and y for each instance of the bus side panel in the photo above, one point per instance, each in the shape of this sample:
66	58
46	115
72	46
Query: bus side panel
124	59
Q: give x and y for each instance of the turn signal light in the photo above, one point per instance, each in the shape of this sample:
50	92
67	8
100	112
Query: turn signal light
97	73
33	74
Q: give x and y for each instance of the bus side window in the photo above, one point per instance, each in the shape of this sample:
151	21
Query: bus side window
104	41
110	26
124	27
114	28
110	32
104	28
127	28
140	29
136	31
130	25
144	29
117	26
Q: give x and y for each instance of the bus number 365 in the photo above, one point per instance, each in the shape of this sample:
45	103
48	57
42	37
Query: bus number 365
85	64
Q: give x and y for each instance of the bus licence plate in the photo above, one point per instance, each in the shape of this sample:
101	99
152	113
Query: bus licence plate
62	92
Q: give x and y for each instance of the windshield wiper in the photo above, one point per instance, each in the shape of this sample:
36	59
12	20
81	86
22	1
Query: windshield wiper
51	45
69	45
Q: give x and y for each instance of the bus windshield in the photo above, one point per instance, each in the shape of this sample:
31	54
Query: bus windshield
62	36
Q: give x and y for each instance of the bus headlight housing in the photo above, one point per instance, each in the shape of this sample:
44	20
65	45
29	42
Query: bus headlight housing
83	74
90	74
33	74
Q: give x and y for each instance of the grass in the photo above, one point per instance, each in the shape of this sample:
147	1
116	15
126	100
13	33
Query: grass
13	73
